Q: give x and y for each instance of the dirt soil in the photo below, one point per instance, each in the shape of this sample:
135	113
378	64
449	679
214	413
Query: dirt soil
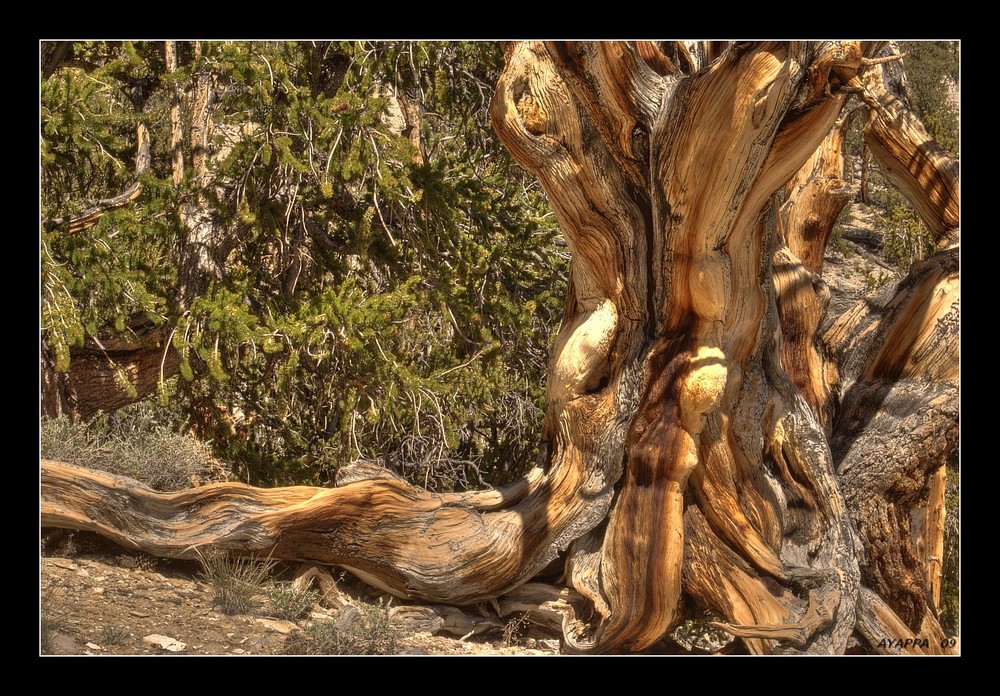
100	599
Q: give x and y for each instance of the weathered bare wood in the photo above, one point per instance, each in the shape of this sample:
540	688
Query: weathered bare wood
89	217
898	418
925	173
202	105
310	574
887	634
442	619
819	613
895	403
721	580
698	332
176	134
803	299
204	241
108	377
813	199
929	524
558	609
460	555
687	396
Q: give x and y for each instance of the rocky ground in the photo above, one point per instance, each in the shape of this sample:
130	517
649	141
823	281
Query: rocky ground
99	599
852	267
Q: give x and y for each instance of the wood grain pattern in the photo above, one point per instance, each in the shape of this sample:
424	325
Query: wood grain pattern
690	398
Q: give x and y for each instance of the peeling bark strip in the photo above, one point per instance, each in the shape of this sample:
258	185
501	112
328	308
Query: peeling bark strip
929	536
176	134
686	451
90	216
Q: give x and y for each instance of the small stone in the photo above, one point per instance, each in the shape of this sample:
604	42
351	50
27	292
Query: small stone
413	650
284	627
64	563
165	642
94	646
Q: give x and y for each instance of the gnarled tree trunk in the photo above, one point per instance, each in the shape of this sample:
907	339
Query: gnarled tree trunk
695	425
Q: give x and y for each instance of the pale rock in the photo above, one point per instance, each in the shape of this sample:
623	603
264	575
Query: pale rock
165	642
63	563
280	626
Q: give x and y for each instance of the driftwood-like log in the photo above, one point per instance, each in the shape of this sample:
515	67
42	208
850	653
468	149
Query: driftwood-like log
418	545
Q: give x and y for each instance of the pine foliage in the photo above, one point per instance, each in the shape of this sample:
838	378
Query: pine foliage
363	292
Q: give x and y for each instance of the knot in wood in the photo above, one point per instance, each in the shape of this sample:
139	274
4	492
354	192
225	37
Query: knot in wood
707	282
531	113
703	386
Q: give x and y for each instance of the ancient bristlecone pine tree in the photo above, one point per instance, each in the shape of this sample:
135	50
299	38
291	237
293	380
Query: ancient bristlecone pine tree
701	437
